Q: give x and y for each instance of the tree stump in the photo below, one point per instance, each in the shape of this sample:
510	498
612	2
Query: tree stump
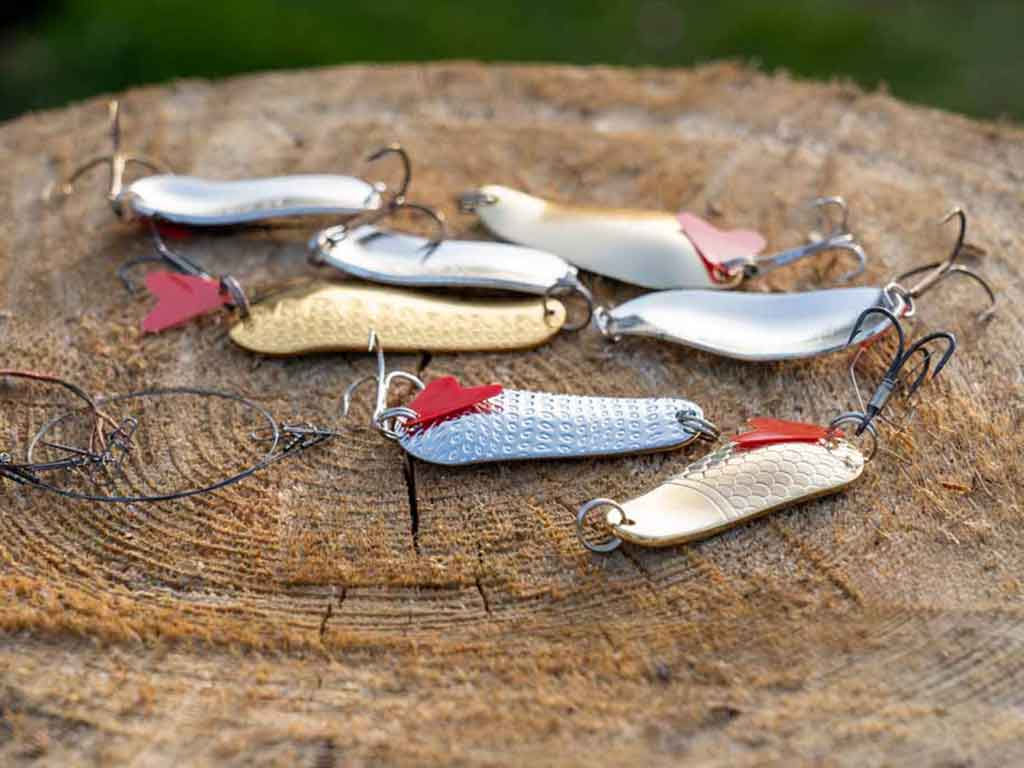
295	619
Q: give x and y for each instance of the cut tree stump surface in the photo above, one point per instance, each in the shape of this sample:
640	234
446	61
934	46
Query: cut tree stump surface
293	619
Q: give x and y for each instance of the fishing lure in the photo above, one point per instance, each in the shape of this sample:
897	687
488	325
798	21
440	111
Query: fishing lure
780	326
86	452
648	248
196	202
453	425
323	316
370	253
776	464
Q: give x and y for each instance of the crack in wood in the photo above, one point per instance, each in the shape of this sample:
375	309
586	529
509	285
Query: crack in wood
409	473
483	596
479	583
329	612
326	754
327	617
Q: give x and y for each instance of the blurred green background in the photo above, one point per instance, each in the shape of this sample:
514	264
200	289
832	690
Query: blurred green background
959	55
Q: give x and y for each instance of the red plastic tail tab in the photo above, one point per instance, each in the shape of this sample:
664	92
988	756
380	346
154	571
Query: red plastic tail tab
446	397
170	231
772	431
716	246
180	298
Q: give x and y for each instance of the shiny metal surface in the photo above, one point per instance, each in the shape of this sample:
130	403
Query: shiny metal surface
753	326
200	202
521	425
330	317
729	487
400	259
645	248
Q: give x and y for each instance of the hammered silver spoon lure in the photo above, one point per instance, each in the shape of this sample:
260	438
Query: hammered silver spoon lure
453	425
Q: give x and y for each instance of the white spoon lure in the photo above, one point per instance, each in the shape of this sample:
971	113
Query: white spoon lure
764	327
647	248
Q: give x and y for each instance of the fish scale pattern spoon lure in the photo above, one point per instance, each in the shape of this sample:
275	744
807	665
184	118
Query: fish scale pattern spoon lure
738	483
774	465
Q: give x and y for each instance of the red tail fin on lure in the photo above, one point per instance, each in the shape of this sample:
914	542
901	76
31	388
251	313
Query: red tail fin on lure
717	246
446	397
181	298
772	431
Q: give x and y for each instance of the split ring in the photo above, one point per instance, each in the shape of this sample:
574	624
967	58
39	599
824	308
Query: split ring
612	544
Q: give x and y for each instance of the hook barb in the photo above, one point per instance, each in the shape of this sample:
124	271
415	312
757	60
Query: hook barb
838	238
383	417
894	374
117	161
936	272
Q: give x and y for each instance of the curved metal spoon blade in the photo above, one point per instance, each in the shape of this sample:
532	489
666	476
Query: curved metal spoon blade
200	202
400	259
754	326
646	248
520	425
730	487
336	317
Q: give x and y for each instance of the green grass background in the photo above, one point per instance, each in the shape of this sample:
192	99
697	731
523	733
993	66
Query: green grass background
963	56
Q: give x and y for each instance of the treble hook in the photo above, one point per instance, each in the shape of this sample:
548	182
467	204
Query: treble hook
440	224
839	238
166	256
326	239
940	270
118	162
891	378
383	417
398	197
185	266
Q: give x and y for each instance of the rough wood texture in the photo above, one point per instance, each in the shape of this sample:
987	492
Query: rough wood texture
291	620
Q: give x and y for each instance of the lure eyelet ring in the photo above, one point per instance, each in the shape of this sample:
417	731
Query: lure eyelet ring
902	299
581	516
238	298
857	419
606	324
567	288
390	421
323	240
469	202
704	430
